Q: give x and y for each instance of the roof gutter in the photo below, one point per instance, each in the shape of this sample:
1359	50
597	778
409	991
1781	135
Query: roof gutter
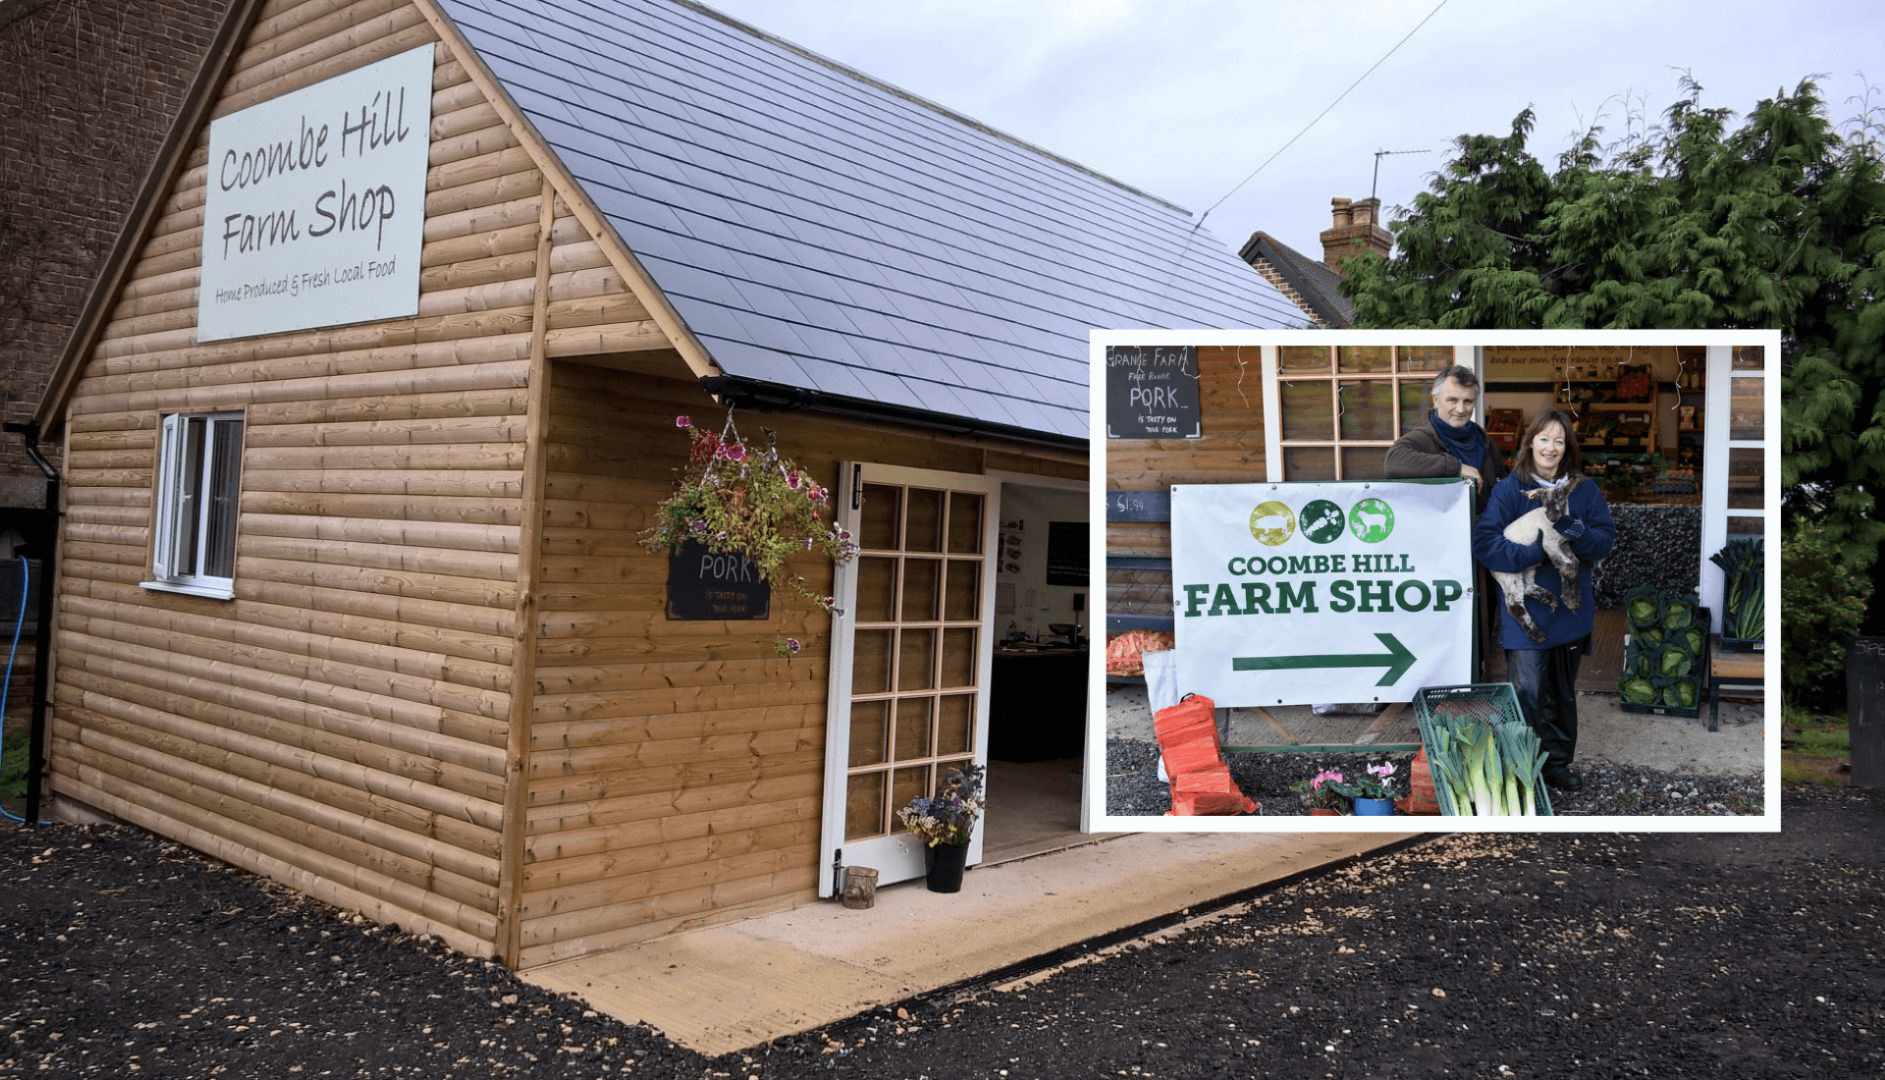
753	393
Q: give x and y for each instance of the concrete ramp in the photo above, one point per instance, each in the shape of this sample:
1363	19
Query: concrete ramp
726	988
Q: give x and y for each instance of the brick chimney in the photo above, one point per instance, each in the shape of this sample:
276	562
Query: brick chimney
1356	230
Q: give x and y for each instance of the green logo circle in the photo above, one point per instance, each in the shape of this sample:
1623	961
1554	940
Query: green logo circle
1272	523
1371	520
1322	522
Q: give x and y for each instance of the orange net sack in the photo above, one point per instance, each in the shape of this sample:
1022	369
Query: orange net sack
1194	758
1125	654
1422	800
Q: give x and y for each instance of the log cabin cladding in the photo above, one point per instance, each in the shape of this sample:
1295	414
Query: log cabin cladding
1230	451
345	722
443	693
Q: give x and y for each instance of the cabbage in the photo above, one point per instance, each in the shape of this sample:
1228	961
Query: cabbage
1637	691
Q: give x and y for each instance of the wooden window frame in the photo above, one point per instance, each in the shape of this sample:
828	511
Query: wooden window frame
1274	379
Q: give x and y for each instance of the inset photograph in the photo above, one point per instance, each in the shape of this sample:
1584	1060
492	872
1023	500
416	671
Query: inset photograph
1510	580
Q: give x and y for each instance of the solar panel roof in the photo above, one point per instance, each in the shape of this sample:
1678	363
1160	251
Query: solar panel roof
821	231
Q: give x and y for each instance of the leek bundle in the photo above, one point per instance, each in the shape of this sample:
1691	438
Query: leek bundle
1486	768
1743	564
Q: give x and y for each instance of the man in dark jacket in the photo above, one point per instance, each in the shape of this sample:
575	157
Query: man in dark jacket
1450	444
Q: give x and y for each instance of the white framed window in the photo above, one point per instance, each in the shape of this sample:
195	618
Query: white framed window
1332	411
199	478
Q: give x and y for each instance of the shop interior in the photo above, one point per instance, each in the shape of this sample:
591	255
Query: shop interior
1037	697
1639	412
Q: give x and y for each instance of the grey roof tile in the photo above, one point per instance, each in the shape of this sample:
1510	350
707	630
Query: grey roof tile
819	231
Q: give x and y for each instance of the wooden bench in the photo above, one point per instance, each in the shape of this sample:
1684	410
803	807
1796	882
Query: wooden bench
1731	669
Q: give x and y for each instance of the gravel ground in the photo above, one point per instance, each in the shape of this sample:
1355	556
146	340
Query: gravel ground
1133	787
1484	955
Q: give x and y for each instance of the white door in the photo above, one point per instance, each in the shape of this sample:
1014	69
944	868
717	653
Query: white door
1735	445
910	660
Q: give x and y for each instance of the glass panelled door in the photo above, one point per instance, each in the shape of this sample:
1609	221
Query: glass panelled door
910	660
1736	480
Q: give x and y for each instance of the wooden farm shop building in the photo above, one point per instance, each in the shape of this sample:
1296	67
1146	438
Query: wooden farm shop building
377	398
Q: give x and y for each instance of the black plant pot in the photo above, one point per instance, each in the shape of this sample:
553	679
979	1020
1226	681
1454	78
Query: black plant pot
946	863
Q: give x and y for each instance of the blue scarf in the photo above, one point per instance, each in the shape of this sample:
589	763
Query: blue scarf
1468	444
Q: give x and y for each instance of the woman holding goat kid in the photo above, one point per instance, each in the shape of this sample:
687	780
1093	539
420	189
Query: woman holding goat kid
1547	622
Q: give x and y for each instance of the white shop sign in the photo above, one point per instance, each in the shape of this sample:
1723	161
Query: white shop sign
1306	592
316	204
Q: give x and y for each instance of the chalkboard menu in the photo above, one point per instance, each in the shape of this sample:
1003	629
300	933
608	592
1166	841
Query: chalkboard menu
1067	559
1865	710
703	585
1152	392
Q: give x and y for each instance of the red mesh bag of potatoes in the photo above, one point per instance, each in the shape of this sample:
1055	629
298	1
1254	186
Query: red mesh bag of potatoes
1422	800
1194	759
1125	654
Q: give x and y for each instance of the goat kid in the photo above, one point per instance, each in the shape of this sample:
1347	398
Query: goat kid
1521	586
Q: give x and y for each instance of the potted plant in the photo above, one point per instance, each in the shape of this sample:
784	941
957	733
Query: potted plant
1323	793
734	499
945	821
1374	796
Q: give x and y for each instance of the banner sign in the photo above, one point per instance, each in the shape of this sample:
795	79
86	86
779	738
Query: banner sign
316	204
1287	594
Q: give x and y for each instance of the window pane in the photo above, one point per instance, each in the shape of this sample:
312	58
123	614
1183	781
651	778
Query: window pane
189	504
1308	463
916	666
920	589
1307	411
924	531
870	733
958	659
1750	357
1364	463
1352	358
1745	474
1746	525
1416	399
913	716
962	595
1425	357
225	484
965	523
878	524
864	805
1746	420
876	589
909	784
953	728
870	662
1368	410
1302	359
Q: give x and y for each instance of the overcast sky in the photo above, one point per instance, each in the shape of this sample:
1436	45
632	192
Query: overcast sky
1184	98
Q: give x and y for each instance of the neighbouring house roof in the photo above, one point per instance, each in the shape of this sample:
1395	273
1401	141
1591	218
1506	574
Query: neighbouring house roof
822	232
1312	285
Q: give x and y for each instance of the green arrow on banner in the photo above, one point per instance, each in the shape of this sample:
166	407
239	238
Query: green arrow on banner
1397	660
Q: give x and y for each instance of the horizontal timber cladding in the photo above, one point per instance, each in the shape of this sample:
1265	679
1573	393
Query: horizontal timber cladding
675	768
344	722
1230	389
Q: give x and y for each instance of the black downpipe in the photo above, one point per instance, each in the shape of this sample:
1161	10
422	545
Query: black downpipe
42	636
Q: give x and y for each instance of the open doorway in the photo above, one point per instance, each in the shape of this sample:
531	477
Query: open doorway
1038	686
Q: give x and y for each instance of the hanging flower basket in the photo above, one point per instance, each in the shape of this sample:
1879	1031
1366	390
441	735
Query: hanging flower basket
740	500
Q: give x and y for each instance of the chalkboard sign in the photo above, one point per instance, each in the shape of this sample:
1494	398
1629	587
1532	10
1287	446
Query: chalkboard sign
1152	392
1067	560
1865	710
703	585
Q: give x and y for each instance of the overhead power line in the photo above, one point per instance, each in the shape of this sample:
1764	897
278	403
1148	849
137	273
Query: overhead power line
1324	112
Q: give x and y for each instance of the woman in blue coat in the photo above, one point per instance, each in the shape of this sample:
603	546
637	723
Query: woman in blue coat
1544	673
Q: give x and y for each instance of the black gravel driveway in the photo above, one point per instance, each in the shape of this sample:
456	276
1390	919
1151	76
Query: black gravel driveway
1666	955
